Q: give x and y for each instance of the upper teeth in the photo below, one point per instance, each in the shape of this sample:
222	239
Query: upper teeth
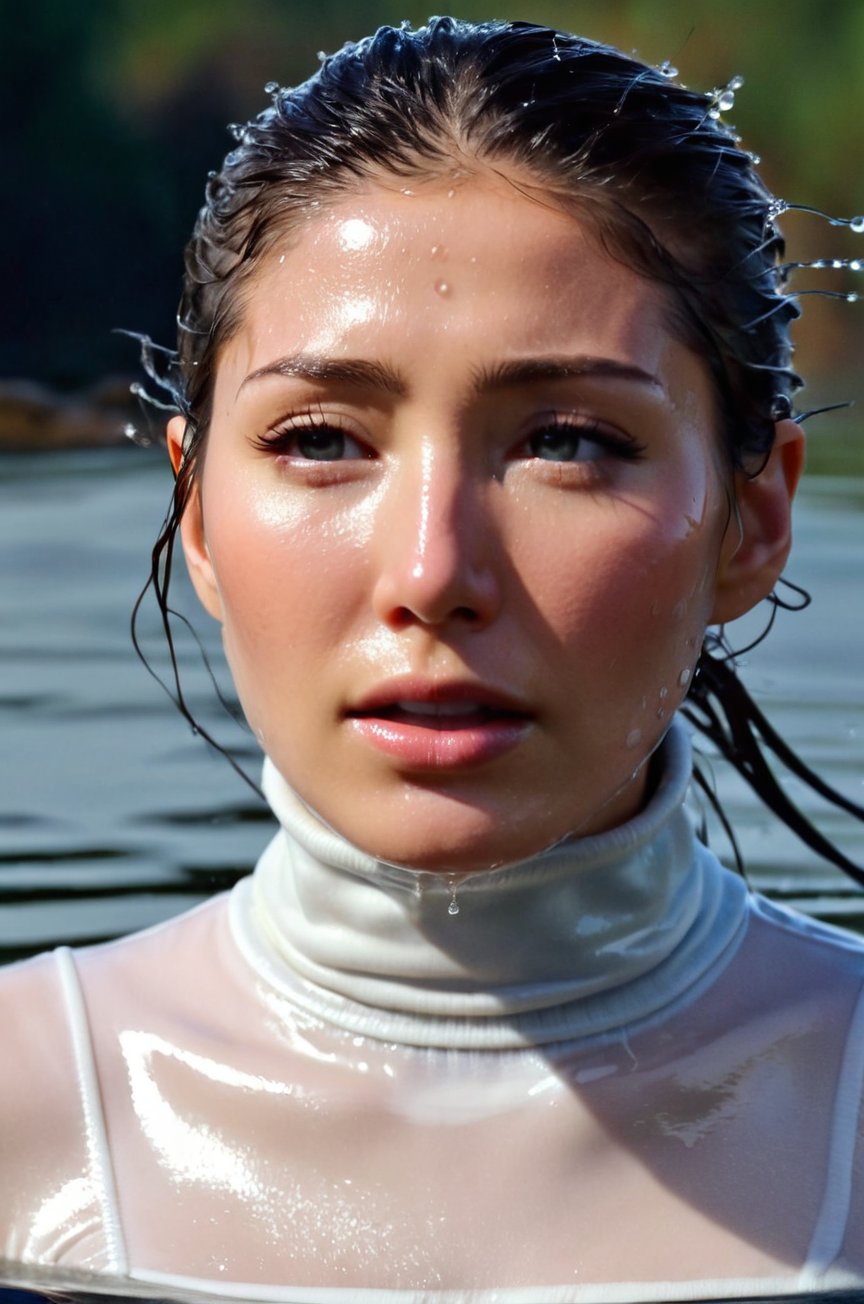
438	708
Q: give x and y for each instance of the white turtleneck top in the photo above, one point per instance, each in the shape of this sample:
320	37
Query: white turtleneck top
609	1073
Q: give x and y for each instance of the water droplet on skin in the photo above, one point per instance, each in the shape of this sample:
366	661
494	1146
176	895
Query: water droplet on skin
661	713
453	904
857	225
407	192
450	193
634	737
684	678
442	288
663	694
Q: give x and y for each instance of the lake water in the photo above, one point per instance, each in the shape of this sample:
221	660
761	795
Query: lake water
113	815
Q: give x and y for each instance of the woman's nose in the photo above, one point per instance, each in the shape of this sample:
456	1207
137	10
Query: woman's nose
436	549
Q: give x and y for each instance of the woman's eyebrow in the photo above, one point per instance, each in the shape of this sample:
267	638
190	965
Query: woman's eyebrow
528	370
350	371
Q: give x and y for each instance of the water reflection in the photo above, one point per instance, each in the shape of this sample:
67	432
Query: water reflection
113	816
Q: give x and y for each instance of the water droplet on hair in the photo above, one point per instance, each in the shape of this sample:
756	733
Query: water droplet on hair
321	56
855	264
856	224
453	907
442	288
235	130
736	83
634	737
836	262
852	297
667	69
755	159
271	88
714	113
726	101
129	430
684	678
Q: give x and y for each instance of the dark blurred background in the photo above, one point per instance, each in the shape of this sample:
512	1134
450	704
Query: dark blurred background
114	110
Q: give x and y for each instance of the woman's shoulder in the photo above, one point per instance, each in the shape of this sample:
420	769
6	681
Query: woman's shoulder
58	1010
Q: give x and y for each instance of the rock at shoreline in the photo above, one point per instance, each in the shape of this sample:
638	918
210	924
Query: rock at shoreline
34	417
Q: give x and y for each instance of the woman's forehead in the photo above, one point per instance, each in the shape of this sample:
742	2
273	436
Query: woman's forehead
402	268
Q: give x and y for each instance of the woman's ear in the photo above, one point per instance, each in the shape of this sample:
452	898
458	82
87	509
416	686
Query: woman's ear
195	548
759	534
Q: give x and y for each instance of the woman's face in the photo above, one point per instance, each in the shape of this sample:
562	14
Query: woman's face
462	517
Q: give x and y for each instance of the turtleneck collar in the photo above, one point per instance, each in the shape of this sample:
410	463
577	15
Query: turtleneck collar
587	936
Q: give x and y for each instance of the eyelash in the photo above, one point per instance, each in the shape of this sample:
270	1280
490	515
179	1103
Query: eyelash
280	439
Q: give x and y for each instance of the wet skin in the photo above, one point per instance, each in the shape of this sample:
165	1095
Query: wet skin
464	517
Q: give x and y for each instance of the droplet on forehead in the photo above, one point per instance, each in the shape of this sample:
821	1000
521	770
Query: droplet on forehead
354	233
634	737
442	288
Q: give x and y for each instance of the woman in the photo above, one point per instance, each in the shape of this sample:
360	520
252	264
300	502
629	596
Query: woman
484	386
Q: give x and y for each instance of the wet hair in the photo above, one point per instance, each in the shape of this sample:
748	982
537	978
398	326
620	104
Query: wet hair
648	165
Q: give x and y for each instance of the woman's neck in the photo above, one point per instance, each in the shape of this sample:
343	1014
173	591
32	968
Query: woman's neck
580	937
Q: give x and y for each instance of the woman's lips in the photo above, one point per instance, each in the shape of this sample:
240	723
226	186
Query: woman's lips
440	727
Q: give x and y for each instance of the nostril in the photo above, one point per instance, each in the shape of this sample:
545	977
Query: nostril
402	617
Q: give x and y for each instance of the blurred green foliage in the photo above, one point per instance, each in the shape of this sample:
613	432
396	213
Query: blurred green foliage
118	108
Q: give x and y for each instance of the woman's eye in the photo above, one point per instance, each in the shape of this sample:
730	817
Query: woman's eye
324	444
314	443
577	443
